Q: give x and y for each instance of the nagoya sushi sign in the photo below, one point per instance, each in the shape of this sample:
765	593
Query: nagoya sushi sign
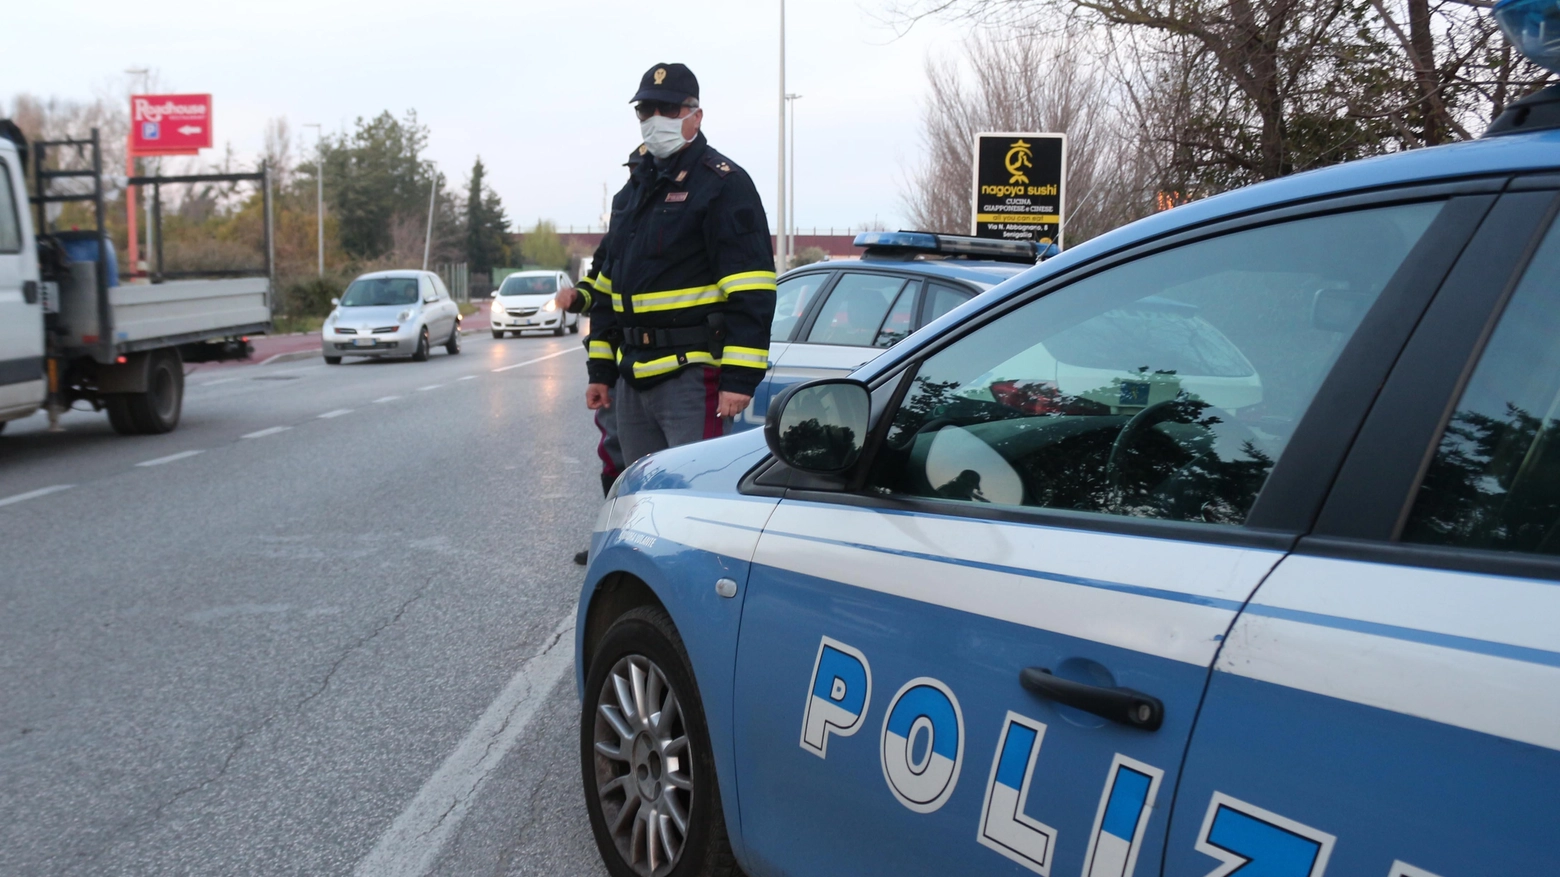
1019	186
170	124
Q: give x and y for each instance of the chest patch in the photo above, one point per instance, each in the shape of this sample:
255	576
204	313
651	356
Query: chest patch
673	197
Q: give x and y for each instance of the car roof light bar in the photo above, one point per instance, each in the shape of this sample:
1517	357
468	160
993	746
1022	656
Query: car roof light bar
909	244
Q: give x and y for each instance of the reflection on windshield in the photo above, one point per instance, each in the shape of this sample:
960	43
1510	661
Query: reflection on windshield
529	286
380	292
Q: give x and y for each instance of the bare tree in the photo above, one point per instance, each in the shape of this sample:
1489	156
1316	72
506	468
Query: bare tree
1026	85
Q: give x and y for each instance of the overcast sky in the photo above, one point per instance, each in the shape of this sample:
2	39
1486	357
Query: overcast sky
539	89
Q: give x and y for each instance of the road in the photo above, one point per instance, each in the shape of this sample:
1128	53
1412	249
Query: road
322	628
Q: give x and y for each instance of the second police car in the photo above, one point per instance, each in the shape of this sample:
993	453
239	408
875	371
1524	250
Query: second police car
1226	543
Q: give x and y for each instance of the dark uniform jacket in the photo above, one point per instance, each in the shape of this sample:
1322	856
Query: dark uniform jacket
687	278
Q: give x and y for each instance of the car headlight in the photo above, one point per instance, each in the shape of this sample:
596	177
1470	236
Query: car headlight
498	309
551	306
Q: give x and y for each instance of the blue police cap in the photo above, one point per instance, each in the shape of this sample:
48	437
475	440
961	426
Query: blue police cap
673	83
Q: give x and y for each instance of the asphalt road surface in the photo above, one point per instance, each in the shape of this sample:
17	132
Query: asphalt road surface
325	627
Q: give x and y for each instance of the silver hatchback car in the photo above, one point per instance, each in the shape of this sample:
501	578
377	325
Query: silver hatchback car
392	313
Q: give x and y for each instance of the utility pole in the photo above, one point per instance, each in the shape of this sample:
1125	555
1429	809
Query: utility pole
433	189
780	241
790	203
130	250
319	187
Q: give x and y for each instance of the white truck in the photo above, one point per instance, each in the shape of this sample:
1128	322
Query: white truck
71	333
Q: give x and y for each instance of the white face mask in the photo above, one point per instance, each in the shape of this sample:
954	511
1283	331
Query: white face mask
663	136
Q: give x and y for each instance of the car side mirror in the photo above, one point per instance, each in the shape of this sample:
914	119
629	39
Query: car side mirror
335	302
821	426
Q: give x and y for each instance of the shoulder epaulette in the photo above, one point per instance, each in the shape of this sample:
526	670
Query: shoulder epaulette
717	162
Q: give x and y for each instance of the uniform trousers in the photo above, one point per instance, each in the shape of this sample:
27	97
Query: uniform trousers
609	449
678	411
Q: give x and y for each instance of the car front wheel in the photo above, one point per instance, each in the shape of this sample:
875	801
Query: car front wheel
649	773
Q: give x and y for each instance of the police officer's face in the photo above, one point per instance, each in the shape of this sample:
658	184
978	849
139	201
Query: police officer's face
691	117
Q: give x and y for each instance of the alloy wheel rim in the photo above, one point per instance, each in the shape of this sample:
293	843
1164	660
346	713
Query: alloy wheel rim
644	777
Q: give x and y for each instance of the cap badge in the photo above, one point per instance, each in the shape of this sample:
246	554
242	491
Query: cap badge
660	75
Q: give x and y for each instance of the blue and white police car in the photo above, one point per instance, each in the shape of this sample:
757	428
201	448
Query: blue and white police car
832	317
1227	543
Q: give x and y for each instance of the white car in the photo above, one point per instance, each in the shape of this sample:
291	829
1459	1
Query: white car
524	303
392	313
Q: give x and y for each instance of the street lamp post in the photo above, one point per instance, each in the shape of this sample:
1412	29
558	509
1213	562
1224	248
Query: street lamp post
319	187
433	189
130	242
790	203
780	239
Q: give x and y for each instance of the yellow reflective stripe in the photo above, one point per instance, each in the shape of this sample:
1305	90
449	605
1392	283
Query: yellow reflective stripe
600	350
651	368
603	283
617	303
747	357
585	296
676	299
748	280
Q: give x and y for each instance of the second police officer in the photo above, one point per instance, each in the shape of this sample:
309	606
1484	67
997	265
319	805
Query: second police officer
686	287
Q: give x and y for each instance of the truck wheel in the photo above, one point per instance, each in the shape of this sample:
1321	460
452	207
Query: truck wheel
422	347
118	407
157	410
333	360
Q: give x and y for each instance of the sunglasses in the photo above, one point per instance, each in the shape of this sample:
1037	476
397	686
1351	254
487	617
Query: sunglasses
647	108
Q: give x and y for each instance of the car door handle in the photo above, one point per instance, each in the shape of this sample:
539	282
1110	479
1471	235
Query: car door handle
1122	705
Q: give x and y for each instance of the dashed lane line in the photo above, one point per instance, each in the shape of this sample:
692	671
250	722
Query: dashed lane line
265	432
337	413
538	359
182	455
219	381
383	399
429	387
34	494
467	378
411	845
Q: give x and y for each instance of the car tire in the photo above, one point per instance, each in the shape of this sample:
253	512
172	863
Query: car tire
558	332
333	360
157	410
574	328
452	346
421	354
497	334
625	775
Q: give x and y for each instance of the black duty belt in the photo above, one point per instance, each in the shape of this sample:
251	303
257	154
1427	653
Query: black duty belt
645	337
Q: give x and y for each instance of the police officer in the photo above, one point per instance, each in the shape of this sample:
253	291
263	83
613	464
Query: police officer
686	289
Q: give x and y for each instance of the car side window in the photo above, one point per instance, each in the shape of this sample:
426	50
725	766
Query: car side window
1494	482
10	223
1165	387
900	317
940	299
425	286
792	298
855	309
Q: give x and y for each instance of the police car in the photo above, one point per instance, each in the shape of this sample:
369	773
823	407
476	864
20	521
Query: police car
831	317
1273	589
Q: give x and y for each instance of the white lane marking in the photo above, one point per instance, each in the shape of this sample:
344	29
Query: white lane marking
214	383
538	359
386	399
337	413
412	843
265	432
182	455
429	387
42	491
467	378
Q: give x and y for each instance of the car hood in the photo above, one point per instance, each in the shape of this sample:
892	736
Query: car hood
372	317
523	301
711	466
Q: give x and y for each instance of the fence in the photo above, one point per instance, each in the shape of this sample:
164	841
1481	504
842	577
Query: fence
456	276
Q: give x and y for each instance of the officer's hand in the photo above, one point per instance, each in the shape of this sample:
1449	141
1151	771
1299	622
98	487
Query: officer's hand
565	298
596	397
731	404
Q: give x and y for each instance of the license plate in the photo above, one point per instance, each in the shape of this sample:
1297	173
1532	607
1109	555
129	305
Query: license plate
362	342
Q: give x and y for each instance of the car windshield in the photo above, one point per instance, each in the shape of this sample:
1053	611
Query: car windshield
371	292
514	285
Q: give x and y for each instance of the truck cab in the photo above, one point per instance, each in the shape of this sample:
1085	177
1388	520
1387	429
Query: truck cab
22	385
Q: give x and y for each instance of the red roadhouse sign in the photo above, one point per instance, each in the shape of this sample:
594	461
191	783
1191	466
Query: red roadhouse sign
170	124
